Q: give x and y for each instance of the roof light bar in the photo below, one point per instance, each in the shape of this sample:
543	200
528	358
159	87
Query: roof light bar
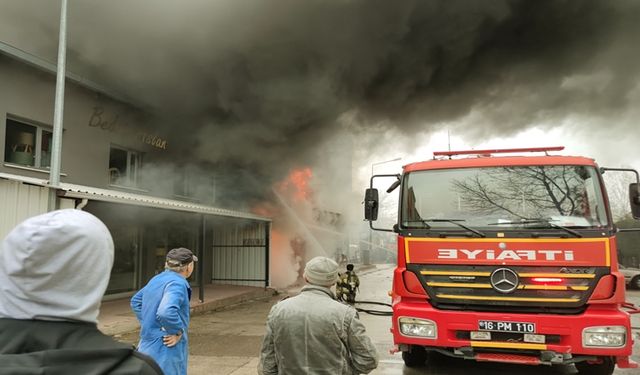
497	151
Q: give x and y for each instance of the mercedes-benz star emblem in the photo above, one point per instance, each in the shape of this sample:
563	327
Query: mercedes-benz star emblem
504	280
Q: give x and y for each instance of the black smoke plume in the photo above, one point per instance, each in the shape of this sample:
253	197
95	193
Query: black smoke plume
256	85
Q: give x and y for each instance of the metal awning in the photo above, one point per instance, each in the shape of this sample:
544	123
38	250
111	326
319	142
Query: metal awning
114	196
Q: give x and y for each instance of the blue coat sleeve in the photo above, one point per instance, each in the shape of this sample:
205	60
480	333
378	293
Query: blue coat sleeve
168	313
136	304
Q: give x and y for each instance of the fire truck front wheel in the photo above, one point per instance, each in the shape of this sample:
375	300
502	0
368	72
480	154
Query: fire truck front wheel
416	356
604	367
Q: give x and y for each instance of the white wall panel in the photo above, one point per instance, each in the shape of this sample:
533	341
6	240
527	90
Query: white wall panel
239	253
18	202
64	203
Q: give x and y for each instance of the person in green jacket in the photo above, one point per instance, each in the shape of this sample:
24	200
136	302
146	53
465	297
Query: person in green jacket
313	334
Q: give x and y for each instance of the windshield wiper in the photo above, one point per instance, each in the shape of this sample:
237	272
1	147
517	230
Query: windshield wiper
455	222
542	221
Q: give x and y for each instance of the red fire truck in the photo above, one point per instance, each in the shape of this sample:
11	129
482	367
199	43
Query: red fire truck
508	256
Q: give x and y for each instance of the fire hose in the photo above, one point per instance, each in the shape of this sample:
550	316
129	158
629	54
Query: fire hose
373	312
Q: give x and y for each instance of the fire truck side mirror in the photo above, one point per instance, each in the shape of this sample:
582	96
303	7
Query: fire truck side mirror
371	204
634	198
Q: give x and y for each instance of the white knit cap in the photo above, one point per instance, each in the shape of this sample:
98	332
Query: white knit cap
321	271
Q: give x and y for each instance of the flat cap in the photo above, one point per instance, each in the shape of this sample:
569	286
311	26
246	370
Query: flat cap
180	256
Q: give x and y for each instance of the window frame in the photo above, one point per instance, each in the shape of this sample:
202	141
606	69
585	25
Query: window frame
182	179
40	129
131	179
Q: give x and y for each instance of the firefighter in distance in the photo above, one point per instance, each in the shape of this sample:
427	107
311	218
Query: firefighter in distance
347	286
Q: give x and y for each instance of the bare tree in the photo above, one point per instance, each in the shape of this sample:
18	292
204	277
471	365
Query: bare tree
617	185
530	191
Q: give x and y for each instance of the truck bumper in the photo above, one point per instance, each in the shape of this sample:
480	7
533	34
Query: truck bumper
563	335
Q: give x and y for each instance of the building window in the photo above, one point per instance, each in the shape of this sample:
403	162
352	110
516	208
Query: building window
193	184
181	183
124	167
27	144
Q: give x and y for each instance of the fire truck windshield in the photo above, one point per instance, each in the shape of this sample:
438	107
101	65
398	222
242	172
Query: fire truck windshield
503	198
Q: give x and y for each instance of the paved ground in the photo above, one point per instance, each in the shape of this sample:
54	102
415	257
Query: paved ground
228	342
117	318
225	342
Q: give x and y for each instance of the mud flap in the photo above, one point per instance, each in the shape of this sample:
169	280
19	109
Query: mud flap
626	362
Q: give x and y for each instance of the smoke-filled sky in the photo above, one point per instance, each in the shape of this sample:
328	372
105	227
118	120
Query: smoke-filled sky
269	85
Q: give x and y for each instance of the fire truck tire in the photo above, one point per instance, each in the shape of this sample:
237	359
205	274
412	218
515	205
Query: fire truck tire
415	357
605	367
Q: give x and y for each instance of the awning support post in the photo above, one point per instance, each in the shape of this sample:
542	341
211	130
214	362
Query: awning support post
202	258
267	245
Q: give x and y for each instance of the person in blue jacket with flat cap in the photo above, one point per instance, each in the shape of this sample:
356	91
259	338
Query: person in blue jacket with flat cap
162	308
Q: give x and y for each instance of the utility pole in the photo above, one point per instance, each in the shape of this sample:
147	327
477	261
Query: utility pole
58	113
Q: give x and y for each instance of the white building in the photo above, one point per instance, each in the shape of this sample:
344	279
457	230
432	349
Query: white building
107	143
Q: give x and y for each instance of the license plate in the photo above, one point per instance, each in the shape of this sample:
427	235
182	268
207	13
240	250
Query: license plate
499	326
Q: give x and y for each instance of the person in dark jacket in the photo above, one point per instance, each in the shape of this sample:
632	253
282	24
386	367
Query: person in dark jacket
163	310
54	270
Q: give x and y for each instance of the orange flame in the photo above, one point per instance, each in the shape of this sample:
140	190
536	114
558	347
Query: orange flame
287	246
297	186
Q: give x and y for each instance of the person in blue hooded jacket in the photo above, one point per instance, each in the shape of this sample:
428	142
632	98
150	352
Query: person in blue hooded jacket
162	308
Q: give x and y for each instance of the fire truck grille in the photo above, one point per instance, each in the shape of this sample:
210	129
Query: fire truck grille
512	288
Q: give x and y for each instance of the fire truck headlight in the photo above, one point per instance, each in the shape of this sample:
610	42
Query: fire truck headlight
604	337
418	327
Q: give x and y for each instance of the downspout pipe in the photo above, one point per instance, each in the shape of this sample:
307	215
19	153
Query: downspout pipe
82	204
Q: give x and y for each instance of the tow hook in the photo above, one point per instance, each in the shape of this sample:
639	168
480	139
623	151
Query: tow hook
633	308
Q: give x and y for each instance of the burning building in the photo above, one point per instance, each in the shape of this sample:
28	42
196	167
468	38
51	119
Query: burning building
301	229
117	165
